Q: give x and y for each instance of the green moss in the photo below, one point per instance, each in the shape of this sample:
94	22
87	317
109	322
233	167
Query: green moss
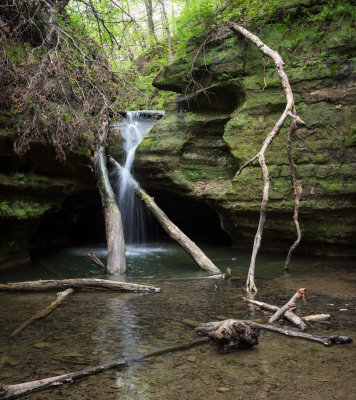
147	142
22	209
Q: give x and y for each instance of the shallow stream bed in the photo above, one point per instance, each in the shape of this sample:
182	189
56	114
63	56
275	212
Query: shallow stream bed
93	327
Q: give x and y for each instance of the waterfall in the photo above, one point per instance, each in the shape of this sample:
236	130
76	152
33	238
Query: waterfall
133	212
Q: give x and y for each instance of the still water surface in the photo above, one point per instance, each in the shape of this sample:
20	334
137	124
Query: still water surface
93	327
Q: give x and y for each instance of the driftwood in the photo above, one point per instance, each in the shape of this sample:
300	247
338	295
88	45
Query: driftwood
61	296
317	318
288	111
16	391
36	286
173	231
223	277
288	315
325	340
291	303
231	333
96	260
116	262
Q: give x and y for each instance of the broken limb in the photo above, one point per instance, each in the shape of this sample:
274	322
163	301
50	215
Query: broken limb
288	315
289	110
173	231
116	262
317	318
96	260
61	296
10	392
272	308
84	283
290	304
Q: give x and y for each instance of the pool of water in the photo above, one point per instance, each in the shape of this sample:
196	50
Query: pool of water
93	327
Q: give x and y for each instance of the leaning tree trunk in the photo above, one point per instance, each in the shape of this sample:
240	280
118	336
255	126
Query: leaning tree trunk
173	231
116	263
288	111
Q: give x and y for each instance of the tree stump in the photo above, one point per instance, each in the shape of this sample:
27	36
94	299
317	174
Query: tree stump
231	334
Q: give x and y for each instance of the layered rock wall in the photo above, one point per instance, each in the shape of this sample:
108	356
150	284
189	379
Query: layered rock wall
207	133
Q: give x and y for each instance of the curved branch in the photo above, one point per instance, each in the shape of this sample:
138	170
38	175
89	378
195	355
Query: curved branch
289	109
292	127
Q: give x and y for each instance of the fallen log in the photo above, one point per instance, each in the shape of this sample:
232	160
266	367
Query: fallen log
325	340
288	315
226	276
61	296
10	392
116	262
291	303
82	283
173	231
96	260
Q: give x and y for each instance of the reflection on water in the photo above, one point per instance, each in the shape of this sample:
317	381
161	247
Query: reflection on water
91	328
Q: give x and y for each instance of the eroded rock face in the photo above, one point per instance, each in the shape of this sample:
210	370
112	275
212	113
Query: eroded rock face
41	198
196	149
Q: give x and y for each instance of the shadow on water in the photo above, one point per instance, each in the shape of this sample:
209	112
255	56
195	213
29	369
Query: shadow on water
94	327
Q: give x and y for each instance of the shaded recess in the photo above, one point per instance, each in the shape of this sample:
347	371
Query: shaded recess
195	218
80	220
222	98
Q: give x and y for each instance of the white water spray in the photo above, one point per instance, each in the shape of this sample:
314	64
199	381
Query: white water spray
133	213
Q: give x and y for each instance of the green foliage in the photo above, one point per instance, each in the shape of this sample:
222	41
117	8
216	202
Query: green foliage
195	176
202	16
224	77
20	178
22	209
4	207
197	19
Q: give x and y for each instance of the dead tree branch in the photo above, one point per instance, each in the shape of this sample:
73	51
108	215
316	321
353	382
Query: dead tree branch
96	260
290	304
83	283
325	340
61	296
289	110
10	392
292	128
288	315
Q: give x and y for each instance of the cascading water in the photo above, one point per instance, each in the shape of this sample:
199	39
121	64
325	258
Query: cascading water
133	213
